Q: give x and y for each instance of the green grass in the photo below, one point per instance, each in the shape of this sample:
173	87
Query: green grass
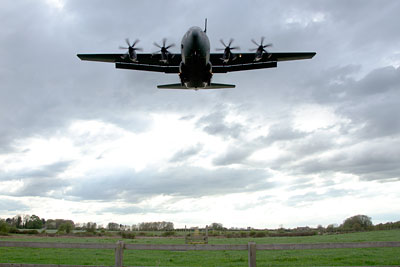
327	257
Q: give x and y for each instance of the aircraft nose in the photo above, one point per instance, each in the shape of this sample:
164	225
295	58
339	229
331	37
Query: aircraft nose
195	39
195	36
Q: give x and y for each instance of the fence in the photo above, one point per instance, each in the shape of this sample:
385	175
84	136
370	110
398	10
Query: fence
120	246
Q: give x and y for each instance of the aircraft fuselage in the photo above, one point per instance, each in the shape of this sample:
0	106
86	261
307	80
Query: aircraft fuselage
195	68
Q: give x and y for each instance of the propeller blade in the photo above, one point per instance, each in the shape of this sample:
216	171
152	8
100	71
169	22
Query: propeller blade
164	41
254	42
136	41
235	47
171	45
121	47
127	42
253	49
267	45
262	40
159	46
230	42
222	42
219	49
138	49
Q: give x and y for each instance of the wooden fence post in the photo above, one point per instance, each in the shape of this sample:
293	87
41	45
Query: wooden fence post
119	254
252	254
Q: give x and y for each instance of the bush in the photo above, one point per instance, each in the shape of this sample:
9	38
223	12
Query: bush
66	227
213	233
14	230
168	233
4	227
293	234
230	235
252	233
84	234
261	234
29	232
127	235
357	223
243	234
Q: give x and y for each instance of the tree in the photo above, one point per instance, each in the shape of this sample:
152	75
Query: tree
34	222
66	227
113	226
4	227
357	223
331	228
18	221
91	227
217	226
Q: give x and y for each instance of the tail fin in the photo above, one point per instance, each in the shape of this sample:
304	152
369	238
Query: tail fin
211	86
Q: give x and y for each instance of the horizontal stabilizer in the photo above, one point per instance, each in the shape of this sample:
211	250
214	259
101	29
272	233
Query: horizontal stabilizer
211	86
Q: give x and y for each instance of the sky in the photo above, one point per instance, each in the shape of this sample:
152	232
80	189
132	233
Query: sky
311	142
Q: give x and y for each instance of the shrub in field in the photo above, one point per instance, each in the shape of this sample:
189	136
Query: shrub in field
127	235
244	234
168	233
261	234
357	223
288	234
66	227
4	227
253	233
84	234
14	230
29	232
213	233
230	235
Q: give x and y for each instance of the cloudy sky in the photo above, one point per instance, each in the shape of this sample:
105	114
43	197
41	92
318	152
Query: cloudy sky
310	142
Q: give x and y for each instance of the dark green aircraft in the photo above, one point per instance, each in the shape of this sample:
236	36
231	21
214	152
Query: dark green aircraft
195	64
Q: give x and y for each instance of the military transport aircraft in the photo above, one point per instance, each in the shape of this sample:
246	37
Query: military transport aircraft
195	64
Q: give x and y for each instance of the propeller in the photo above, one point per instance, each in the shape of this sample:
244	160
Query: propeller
260	48
227	50
131	49
164	50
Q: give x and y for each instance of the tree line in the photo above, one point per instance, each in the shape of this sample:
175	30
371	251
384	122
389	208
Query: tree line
35	222
351	224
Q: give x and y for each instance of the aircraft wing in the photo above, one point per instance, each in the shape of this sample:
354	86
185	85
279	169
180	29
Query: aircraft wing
245	61
145	61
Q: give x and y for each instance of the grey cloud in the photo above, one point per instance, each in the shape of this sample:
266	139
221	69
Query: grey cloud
41	181
302	183
184	154
44	187
318	141
12	205
376	161
215	124
134	209
180	181
234	155
310	197
373	103
46	171
283	132
377	82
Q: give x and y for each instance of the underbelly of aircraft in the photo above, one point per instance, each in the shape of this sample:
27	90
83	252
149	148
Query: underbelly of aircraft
195	72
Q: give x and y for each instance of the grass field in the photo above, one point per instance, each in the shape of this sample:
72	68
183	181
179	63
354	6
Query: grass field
327	257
